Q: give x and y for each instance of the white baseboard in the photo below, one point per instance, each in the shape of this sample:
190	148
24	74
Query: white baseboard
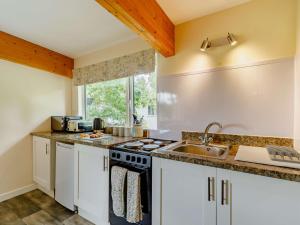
16	192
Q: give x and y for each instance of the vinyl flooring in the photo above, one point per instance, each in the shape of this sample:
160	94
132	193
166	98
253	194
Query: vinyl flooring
37	208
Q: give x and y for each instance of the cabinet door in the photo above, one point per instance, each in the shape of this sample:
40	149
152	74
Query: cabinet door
41	162
184	193
92	183
260	200
224	197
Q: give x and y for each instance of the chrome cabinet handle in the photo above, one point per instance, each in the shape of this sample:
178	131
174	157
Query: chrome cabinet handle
78	181
104	167
161	196
106	157
224	192
211	189
105	163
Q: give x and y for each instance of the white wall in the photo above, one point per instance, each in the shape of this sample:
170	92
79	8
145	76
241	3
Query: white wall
297	82
252	100
28	97
255	100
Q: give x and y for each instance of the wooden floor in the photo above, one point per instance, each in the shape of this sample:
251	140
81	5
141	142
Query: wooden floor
37	208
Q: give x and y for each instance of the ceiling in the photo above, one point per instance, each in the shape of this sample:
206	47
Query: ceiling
77	27
180	11
70	27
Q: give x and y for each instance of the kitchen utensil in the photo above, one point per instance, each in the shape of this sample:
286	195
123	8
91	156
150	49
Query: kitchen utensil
136	120
133	145
150	147
137	130
127	132
108	130
115	131
160	143
147	141
98	124
121	132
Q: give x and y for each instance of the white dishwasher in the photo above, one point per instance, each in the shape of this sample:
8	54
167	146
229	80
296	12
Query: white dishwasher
64	179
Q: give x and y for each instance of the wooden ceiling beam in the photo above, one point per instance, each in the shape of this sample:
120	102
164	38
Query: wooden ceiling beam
146	18
23	52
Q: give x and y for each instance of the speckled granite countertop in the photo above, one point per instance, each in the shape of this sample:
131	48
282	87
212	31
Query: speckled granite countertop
228	163
74	138
231	164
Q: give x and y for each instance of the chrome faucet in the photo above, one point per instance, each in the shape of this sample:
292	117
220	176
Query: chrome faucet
205	140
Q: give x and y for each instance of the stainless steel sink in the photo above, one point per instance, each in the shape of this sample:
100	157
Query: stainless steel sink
215	151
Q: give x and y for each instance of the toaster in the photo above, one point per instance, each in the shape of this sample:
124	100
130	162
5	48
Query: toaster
78	126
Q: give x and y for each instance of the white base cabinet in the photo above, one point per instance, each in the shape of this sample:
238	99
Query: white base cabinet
183	193
92	183
258	200
189	194
43	168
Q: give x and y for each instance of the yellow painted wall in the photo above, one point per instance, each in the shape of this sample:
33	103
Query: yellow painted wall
297	83
265	30
28	97
298	28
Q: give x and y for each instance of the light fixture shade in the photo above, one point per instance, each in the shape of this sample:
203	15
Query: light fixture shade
231	39
205	45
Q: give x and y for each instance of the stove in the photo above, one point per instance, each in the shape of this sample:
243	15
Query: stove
136	156
143	146
137	152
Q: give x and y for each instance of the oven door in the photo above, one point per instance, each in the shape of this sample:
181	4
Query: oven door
146	195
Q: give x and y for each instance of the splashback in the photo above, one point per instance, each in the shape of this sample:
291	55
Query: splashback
248	100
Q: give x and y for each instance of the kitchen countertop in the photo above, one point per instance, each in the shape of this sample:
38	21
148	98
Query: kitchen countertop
231	164
228	163
73	138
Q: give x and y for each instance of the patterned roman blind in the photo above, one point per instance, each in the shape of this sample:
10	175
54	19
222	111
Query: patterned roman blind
137	63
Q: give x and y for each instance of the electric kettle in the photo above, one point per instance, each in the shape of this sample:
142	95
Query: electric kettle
98	124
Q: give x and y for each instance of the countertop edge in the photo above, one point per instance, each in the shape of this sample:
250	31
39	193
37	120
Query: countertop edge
66	138
238	166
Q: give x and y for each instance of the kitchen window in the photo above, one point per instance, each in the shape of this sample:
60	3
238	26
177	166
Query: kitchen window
115	101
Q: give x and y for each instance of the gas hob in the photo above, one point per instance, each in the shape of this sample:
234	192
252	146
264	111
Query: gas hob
138	152
143	146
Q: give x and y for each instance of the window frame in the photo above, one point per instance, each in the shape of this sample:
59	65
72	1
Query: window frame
129	100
